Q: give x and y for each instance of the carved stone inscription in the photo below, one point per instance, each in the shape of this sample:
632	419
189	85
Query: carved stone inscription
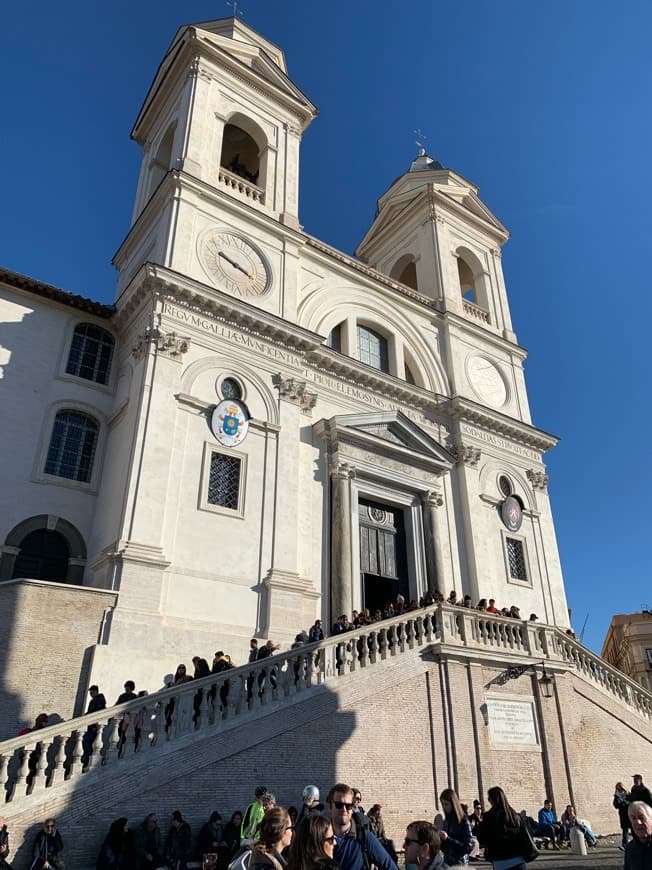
511	723
497	441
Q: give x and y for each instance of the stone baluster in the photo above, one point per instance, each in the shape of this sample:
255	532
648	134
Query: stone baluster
19	787
58	768
39	781
234	697
95	759
75	769
267	687
4	777
113	742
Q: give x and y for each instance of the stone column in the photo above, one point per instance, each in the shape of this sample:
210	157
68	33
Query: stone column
430	501
341	540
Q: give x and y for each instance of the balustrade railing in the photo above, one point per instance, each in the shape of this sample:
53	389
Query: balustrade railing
140	728
241	185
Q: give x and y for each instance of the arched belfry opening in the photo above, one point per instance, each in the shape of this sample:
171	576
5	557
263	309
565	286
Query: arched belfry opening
473	279
467	281
405	271
162	161
241	152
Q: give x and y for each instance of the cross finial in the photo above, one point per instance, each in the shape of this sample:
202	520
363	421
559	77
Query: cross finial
421	137
234	5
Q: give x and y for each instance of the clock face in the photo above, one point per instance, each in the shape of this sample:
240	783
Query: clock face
232	263
487	381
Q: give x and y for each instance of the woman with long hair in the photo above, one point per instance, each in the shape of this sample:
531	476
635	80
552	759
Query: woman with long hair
117	849
313	841
274	835
456	836
502	834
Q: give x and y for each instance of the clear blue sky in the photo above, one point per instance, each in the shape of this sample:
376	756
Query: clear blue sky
546	106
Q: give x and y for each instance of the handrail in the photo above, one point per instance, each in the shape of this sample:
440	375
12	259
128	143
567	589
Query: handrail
68	750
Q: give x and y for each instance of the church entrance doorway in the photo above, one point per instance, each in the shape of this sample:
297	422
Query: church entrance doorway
383	554
43	556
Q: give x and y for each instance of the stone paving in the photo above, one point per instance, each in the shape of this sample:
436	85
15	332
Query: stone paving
606	856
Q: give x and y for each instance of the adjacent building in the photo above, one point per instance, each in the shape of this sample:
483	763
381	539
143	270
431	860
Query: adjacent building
628	646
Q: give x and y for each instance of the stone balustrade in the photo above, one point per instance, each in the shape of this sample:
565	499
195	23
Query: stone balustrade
475	311
39	760
241	185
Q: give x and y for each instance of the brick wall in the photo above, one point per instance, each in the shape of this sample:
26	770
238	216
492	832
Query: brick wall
47	632
401	733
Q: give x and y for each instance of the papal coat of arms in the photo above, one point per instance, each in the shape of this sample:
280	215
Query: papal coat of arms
511	513
230	422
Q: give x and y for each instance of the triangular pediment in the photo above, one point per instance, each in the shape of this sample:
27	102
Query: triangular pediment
388	431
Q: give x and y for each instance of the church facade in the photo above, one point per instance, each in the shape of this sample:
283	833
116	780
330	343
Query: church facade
263	430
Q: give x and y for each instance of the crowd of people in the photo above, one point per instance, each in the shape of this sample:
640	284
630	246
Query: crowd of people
340	835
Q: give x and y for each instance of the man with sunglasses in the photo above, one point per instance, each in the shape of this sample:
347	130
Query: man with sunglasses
422	847
355	847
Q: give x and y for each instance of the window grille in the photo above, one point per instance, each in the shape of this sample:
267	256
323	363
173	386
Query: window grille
224	481
90	354
230	389
516	559
72	446
372	349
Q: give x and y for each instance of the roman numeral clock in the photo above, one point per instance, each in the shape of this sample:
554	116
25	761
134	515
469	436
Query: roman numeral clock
233	263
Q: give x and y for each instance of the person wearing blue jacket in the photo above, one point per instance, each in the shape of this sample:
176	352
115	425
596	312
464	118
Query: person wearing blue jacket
549	826
355	847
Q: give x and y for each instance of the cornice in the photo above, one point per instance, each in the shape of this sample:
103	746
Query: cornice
467	411
368	272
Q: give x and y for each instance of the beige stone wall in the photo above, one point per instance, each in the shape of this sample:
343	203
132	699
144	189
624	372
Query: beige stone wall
401	733
48	631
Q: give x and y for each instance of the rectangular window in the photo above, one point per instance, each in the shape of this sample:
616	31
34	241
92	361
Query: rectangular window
224	481
516	560
649	656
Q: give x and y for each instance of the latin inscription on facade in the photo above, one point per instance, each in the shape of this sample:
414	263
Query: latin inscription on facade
511	723
497	441
227	333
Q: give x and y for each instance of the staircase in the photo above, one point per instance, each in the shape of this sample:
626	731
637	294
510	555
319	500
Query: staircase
187	727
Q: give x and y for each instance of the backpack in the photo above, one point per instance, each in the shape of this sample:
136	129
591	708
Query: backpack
361	838
242	859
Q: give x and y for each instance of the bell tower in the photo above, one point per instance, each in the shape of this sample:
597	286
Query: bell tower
220	130
433	234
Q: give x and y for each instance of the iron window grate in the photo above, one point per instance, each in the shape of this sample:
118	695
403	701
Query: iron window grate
516	559
224	481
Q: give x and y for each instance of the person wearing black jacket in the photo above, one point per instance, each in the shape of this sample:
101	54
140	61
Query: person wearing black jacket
149	843
4	846
640	792
48	848
501	832
621	803
178	843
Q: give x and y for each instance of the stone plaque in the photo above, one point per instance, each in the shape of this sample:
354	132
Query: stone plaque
512	722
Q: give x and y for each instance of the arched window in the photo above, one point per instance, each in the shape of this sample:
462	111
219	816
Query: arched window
467	281
43	555
163	161
230	389
240	154
372	349
44	547
90	354
334	339
72	446
405	271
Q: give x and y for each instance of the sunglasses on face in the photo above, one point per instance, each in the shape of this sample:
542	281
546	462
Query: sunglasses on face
409	840
330	839
341	805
